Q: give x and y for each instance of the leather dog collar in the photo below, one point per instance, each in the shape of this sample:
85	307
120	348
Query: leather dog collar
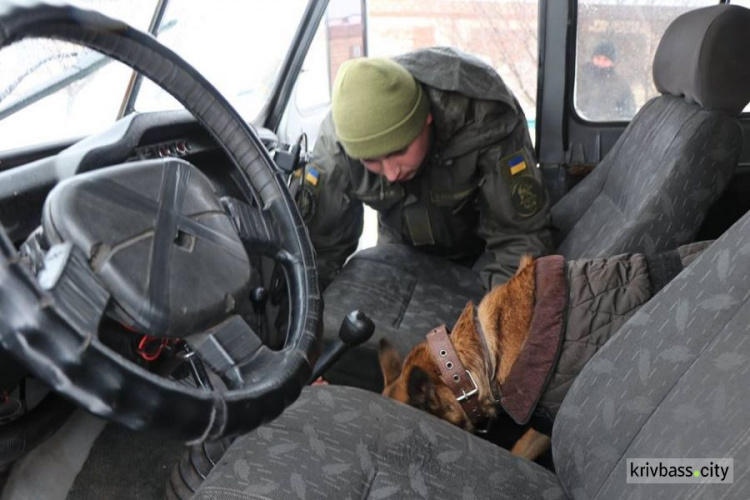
458	379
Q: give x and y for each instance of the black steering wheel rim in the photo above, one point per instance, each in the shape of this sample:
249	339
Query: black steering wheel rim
35	332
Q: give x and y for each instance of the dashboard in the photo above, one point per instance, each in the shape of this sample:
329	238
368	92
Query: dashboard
144	136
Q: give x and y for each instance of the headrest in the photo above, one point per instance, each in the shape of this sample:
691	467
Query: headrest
704	56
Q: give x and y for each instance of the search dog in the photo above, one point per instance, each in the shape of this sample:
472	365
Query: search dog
504	355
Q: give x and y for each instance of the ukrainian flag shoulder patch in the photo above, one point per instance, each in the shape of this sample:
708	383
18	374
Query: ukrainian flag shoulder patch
312	176
517	164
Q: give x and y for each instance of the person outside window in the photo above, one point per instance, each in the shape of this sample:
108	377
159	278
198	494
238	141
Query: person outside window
602	93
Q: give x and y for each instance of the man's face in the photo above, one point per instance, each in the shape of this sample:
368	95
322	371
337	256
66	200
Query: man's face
402	165
601	61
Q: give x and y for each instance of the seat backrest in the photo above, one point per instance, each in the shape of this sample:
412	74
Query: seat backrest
653	189
674	382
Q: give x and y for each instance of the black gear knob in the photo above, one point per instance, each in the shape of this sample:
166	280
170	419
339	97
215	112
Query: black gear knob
356	329
259	297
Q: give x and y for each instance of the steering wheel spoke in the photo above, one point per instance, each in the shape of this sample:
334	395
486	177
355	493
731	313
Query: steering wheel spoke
78	296
254	227
228	347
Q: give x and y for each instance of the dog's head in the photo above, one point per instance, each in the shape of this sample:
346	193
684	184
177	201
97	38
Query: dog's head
417	381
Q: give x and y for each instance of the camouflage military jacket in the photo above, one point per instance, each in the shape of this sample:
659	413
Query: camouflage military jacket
477	191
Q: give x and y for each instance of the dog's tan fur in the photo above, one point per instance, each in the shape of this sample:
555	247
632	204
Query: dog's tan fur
505	315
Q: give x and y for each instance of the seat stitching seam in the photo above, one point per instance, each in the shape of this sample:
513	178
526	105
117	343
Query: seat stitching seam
366	492
405	305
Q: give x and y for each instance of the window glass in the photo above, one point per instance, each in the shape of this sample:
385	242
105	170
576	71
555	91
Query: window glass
51	90
616	43
503	33
339	37
314	81
239	46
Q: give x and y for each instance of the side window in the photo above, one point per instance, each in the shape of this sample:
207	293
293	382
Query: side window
339	37
314	83
503	33
616	43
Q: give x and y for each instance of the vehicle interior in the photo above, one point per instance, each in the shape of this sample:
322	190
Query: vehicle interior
163	332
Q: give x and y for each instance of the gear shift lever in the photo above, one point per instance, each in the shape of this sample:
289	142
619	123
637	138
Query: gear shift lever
356	329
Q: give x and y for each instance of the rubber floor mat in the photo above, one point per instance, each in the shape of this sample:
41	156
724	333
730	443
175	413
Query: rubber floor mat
125	464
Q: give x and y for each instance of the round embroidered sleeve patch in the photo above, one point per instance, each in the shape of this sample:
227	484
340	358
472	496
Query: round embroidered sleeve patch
307	203
526	196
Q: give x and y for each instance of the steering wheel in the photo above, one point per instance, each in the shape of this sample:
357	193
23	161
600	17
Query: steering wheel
152	244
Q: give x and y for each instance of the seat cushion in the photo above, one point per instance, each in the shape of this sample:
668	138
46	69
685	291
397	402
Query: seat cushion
339	443
405	292
672	383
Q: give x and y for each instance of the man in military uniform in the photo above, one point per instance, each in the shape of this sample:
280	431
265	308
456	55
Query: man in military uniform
438	145
602	94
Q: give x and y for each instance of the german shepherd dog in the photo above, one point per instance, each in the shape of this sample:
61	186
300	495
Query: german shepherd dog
503	355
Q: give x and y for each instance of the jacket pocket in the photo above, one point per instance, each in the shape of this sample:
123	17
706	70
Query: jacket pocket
455	199
384	200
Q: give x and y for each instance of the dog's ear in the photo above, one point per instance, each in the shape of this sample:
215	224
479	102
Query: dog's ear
390	362
526	261
420	389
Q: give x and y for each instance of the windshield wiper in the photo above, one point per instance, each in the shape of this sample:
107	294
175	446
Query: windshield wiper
15	83
89	62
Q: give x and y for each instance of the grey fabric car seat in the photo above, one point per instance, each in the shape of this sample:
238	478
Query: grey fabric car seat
672	383
678	153
649	194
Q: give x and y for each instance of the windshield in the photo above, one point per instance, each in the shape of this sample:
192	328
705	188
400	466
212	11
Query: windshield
52	90
238	45
42	95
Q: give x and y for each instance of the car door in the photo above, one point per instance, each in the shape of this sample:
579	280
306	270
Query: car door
595	75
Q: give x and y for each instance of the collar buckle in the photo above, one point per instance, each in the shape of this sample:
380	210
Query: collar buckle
451	371
466	395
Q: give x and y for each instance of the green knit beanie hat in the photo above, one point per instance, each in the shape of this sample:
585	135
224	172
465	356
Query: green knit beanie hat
378	107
